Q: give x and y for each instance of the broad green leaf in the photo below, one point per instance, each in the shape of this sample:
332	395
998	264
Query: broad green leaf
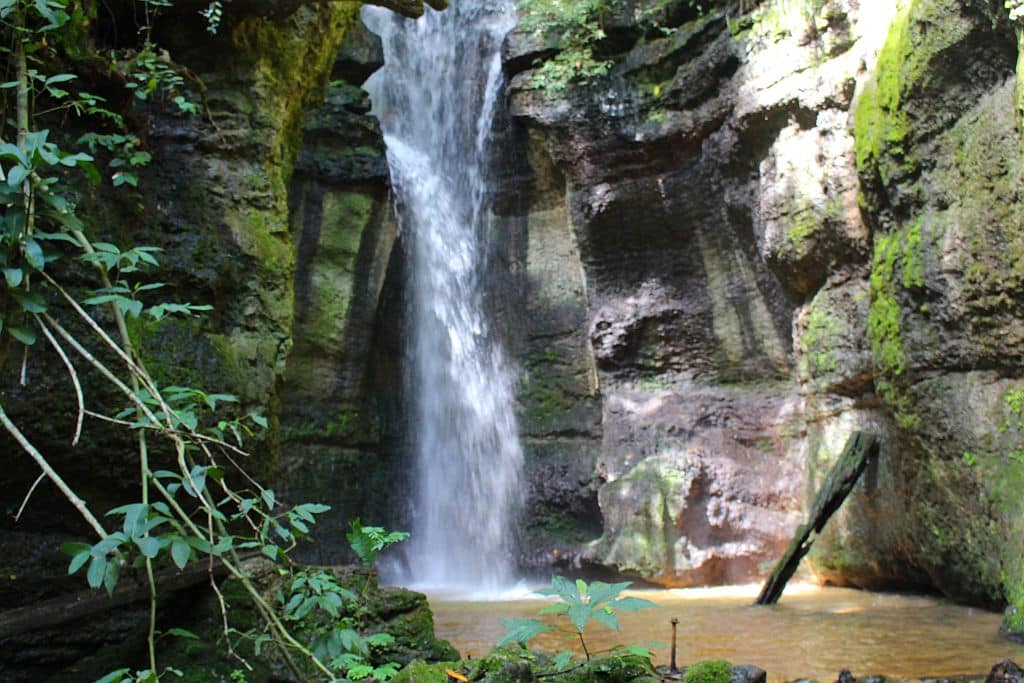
631	604
13	152
603	592
110	576
522	630
14	276
96	572
180	552
23	334
34	254
30	302
607	619
270	550
149	546
78	561
16	176
74	548
268	497
351	641
579	614
259	420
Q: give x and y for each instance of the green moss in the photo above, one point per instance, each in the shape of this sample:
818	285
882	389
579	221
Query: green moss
709	671
818	341
880	128
802	226
898	264
421	672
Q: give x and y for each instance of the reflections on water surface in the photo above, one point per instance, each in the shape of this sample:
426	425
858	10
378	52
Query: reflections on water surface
813	632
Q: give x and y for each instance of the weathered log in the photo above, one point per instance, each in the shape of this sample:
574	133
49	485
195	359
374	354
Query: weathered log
860	448
66	608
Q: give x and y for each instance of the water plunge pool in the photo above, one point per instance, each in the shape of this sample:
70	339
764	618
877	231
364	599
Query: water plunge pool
813	632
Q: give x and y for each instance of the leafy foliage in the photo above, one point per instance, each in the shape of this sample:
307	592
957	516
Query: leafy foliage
369	541
576	26
580	603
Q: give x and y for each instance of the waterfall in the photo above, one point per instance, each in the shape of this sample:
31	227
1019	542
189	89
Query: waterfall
436	99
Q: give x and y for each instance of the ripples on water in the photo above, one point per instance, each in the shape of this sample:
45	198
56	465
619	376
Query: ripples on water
813	632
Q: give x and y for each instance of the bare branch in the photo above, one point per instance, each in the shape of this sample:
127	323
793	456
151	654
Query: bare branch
74	378
72	497
28	495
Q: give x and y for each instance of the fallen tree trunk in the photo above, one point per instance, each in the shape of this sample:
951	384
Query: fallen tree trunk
860	448
86	603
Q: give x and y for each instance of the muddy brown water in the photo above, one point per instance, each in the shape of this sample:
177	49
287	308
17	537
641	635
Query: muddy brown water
813	632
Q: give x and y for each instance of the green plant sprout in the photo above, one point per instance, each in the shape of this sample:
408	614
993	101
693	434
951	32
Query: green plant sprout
580	603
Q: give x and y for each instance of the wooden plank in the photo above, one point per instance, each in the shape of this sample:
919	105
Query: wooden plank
860	449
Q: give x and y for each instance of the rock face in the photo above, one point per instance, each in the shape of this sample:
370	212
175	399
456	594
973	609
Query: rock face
215	200
345	231
754	234
709	184
788	225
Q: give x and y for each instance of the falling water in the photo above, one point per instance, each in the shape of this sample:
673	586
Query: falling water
436	99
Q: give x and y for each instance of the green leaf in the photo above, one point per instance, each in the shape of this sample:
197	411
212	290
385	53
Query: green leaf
74	548
559	608
380	640
34	254
522	630
638	650
149	546
386	672
181	633
579	614
603	592
268	497
110	577
114	676
16	176
359	672
270	550
607	619
14	276
23	334
78	561
13	152
259	420
562	660
631	604
181	551
96	572
30	302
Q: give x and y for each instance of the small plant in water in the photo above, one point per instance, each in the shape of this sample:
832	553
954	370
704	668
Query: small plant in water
580	603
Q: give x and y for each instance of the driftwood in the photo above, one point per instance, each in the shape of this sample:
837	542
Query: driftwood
86	603
860	448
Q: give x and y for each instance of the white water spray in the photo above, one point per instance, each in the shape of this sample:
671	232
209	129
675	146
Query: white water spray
436	98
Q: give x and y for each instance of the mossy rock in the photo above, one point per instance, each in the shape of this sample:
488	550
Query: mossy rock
709	671
515	664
